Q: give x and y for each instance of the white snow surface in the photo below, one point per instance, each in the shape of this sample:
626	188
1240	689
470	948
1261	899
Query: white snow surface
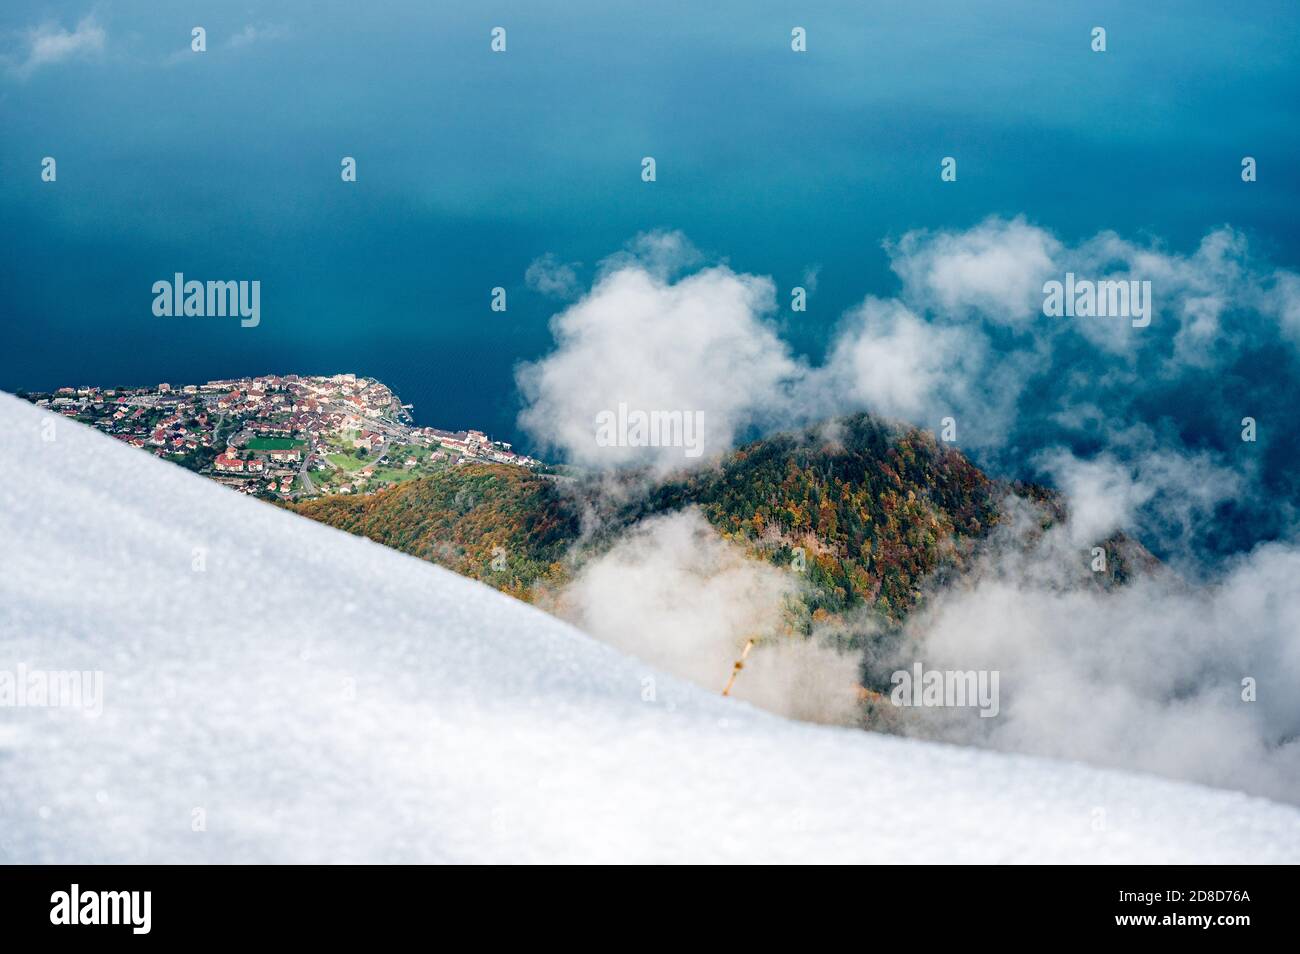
309	696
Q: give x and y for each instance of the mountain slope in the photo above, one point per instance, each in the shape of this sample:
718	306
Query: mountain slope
871	511
874	508
311	696
504	525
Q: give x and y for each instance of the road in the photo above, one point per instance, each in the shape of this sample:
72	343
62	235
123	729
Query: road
307	486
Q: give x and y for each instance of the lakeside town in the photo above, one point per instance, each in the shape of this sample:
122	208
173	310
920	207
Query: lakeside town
281	437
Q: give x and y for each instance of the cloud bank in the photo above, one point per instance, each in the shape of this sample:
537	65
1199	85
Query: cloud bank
675	594
1191	682
1176	432
965	338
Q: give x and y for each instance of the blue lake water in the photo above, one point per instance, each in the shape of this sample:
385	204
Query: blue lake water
225	165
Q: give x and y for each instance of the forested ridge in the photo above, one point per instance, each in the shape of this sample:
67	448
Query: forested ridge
869	511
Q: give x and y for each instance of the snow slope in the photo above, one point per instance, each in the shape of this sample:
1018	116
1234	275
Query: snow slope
313	697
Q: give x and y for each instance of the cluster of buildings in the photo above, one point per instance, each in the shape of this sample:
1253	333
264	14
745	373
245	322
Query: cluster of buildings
269	435
475	445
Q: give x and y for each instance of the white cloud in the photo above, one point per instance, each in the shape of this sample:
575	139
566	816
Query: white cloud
1283	302
890	360
997	267
50	44
675	594
896	364
1147	676
549	276
1106	493
664	253
700	344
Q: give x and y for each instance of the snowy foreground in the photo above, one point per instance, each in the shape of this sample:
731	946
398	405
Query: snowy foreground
300	695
